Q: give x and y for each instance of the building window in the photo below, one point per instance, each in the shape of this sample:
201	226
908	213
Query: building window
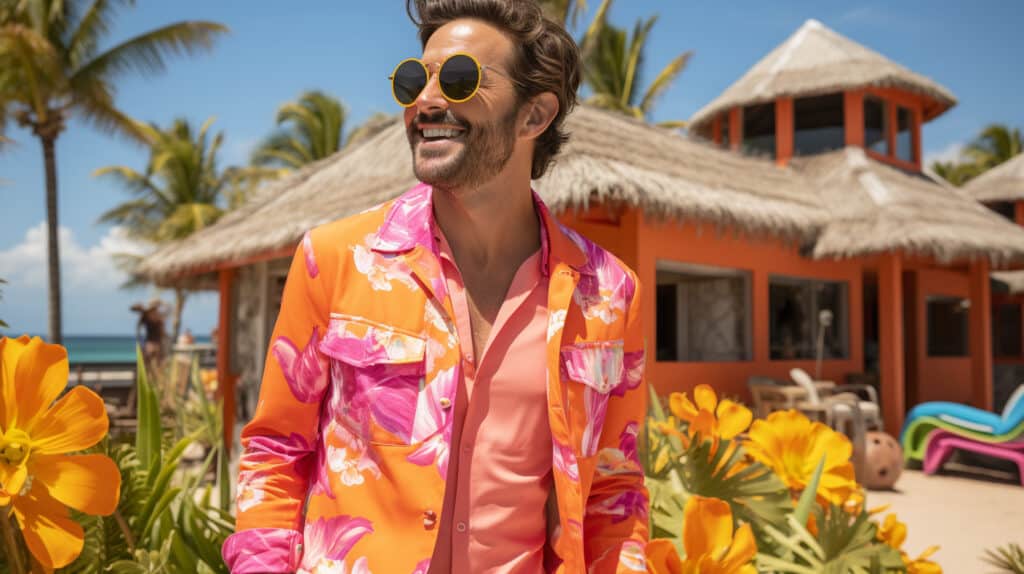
818	124
904	134
1006	330
875	125
800	311
703	313
1007	209
947	326
724	126
759	129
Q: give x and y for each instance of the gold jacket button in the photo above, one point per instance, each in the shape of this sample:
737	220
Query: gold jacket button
446	403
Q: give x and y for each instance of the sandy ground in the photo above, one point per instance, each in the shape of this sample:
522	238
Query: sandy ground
964	510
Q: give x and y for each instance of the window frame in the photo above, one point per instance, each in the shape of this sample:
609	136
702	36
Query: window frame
843	318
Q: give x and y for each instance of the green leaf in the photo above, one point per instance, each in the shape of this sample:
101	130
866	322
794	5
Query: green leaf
809	495
147	438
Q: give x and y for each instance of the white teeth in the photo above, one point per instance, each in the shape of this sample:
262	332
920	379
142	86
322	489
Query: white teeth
440	133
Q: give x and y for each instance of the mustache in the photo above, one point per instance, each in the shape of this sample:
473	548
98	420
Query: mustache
440	118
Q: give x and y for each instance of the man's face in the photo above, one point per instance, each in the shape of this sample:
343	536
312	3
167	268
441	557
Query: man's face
485	125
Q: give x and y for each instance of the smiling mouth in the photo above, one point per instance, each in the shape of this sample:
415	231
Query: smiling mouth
440	134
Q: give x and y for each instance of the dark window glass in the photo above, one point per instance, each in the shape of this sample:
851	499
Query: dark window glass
947	327
703	314
800	311
1005	208
759	129
904	134
725	129
875	124
818	124
1006	330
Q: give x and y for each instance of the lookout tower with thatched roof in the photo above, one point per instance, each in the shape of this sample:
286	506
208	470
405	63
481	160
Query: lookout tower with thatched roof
819	91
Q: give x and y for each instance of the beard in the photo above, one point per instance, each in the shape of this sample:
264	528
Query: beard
475	157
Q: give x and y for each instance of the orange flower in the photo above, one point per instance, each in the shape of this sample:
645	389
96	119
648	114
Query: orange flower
710	418
894	533
39	479
791	445
711	544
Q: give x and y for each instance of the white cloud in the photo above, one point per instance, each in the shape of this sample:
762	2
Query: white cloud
90	268
952	152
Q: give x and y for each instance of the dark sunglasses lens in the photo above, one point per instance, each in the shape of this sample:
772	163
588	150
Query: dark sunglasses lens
410	79
459	77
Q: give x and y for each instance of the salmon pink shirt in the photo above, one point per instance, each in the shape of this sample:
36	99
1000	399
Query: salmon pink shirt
499	474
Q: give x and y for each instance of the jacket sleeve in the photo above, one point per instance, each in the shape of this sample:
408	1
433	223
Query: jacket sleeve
278	461
616	516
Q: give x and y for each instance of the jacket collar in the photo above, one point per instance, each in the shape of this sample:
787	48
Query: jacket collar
410	222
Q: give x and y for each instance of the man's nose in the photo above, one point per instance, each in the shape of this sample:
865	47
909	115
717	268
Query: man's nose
431	100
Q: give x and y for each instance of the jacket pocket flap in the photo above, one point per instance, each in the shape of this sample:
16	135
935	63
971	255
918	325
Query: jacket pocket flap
597	365
361	343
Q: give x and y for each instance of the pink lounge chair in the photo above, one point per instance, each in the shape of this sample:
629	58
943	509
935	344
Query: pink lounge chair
941	445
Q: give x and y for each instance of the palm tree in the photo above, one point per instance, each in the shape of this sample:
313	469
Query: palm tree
309	129
566	11
180	192
51	66
994	145
612	63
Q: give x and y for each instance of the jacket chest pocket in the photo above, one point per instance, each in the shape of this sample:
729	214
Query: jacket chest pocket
592	371
377	373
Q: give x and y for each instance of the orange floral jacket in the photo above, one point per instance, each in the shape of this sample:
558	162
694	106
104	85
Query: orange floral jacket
345	460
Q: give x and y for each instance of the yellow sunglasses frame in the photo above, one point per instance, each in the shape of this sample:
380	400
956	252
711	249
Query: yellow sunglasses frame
479	78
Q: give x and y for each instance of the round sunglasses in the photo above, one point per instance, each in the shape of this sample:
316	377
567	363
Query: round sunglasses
459	79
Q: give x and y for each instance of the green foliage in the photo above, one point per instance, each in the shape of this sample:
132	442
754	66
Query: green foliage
309	129
166	519
996	144
2	324
1009	559
844	545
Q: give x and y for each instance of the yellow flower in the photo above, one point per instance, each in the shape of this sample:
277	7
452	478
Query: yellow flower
791	445
711	545
709	417
893	532
39	480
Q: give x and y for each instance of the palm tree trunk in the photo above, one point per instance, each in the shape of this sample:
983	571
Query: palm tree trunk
179	305
52	234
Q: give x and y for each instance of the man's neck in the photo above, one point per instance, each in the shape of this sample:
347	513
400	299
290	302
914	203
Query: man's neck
491	227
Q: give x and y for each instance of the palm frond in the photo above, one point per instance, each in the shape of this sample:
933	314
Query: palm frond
665	78
1009	559
147	52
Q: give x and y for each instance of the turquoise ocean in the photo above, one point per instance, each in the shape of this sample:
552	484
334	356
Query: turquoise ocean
104	349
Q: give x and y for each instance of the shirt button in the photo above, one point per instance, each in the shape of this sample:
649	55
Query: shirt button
461	527
445	402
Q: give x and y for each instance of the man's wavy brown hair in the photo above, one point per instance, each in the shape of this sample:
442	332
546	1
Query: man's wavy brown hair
546	57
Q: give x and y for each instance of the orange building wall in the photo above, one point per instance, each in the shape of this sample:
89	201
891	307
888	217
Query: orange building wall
704	245
937	378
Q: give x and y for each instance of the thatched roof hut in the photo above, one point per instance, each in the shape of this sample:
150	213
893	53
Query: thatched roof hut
818	60
877	208
1005	182
610	159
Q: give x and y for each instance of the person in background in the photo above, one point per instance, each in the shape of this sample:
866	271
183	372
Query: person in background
149	330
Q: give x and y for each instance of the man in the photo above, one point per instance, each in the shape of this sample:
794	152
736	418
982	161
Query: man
149	331
454	382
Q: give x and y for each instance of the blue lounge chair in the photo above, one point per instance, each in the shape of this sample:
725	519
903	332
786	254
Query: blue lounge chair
962	420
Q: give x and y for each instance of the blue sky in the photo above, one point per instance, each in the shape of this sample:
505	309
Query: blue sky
276	50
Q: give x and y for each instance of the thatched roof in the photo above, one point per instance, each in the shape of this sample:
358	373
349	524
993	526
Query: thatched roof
1005	182
1012	281
817	60
610	158
876	208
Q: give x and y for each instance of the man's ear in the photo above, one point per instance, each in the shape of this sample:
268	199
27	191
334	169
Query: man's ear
540	112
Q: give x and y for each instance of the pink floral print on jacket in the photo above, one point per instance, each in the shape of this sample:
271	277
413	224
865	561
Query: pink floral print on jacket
345	460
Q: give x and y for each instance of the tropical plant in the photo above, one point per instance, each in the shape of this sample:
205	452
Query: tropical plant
166	520
789	498
2	324
565	11
40	478
180	191
612	64
309	129
51	67
993	146
1009	559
